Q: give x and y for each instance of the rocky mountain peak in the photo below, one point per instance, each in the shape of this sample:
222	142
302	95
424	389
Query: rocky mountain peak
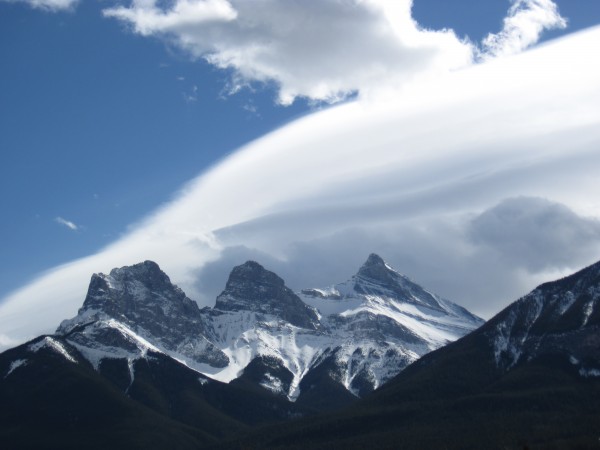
143	299
251	287
376	269
147	272
376	277
130	289
255	274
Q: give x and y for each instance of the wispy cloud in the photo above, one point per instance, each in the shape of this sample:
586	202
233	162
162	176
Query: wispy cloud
67	223
191	96
523	27
48	5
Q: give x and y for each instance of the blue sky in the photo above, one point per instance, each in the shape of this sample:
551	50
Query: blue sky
102	122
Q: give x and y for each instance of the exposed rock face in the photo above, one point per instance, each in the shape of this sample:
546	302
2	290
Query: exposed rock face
253	288
141	302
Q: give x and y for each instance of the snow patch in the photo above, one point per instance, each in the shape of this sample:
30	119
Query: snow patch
52	344
15	365
566	301
131	369
508	342
588	309
273	384
95	354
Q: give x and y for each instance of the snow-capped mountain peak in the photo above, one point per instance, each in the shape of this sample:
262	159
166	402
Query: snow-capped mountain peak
383	314
376	277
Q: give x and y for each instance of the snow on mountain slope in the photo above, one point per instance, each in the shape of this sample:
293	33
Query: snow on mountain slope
382	321
371	327
257	315
359	333
557	317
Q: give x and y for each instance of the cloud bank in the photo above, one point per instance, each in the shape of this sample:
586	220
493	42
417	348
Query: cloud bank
325	50
479	185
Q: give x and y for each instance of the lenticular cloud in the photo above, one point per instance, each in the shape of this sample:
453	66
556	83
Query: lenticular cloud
410	177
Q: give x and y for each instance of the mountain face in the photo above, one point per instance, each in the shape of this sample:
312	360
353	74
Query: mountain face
346	340
558	318
381	322
251	288
137	308
528	378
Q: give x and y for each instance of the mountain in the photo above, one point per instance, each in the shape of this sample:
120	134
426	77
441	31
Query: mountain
528	378
381	322
52	397
346	340
141	355
324	347
251	288
140	298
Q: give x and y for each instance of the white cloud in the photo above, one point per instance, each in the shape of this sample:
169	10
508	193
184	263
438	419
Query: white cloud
326	50
523	26
406	177
48	5
67	223
323	50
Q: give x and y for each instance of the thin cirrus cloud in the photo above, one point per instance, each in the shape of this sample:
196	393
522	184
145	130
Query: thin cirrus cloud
449	181
326	50
66	223
48	5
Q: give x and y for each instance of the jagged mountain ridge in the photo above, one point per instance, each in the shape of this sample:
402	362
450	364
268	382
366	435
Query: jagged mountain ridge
136	308
383	322
527	378
356	335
